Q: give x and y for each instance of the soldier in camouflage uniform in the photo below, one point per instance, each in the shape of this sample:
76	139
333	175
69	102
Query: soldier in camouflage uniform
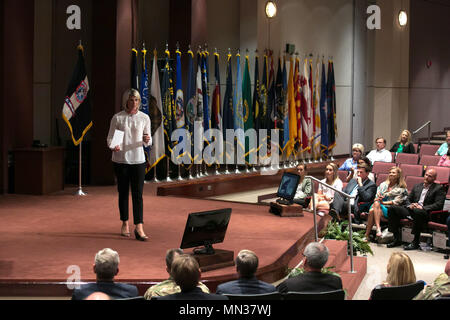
439	288
169	286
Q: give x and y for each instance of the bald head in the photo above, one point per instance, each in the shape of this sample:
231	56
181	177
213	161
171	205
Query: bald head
98	296
430	176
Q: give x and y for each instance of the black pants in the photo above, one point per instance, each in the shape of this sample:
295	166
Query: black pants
303	202
134	175
341	205
396	213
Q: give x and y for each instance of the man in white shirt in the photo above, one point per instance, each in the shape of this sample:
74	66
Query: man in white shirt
380	154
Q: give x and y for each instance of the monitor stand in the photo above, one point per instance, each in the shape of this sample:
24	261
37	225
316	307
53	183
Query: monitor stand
209	258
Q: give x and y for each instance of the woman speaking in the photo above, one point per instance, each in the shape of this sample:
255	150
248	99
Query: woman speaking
129	159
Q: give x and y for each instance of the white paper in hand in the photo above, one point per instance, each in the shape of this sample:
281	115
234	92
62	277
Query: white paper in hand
117	139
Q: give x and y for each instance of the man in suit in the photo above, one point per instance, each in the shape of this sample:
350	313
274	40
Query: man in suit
423	198
246	265
186	273
363	188
106	267
313	280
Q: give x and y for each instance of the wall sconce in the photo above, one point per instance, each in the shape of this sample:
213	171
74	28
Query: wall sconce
402	18
271	9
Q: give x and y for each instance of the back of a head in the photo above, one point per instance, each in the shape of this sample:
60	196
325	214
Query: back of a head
185	272
106	264
400	270
447	268
98	296
171	254
246	263
316	255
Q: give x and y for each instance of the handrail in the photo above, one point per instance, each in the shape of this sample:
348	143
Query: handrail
428	123
316	234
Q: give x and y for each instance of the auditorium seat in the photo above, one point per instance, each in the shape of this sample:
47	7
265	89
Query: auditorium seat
381	177
408	158
411	169
428	149
329	295
443	173
393	156
382	167
428	160
342	174
257	296
406	292
411	181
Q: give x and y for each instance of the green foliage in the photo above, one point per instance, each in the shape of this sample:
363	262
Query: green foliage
296	271
340	231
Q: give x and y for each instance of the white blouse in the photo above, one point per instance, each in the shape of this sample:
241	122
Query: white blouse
134	127
330	192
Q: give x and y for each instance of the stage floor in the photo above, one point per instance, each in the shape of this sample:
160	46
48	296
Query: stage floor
41	236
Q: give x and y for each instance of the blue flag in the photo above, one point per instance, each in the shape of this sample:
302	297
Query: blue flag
190	94
331	105
323	114
285	108
205	89
145	102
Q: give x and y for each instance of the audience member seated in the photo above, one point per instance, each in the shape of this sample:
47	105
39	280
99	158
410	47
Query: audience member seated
186	273
363	188
246	266
445	160
423	198
325	195
351	163
393	191
363	160
380	153
169	286
98	296
443	149
304	188
404	143
400	271
439	288
312	280
106	267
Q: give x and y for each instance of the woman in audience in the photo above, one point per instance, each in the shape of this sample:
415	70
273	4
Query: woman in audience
400	271
442	151
325	195
304	188
390	192
404	143
445	160
351	163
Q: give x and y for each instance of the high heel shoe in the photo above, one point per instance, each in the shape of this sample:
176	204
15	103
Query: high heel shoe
124	233
139	237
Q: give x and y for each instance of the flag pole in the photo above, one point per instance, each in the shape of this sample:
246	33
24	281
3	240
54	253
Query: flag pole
80	189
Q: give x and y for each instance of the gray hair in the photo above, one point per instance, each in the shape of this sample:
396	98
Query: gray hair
127	94
106	264
246	263
316	254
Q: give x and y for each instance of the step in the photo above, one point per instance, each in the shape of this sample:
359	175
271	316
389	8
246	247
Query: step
352	281
338	253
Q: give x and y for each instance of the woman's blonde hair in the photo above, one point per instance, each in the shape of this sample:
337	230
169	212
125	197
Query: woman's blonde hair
400	270
401	179
409	137
130	93
335	171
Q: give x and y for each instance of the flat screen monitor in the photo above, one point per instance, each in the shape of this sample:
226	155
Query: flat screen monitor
288	186
204	229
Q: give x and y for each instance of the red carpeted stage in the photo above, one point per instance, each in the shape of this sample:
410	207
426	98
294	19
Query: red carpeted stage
41	236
